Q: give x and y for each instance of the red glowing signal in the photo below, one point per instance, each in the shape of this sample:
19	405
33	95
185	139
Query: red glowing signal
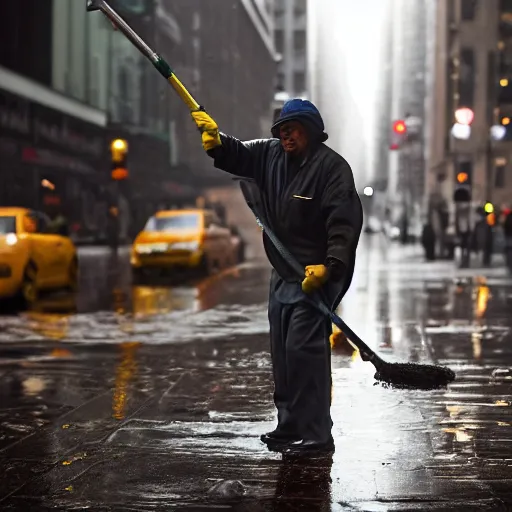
399	127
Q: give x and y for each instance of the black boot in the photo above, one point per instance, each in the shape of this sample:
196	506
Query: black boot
277	439
309	448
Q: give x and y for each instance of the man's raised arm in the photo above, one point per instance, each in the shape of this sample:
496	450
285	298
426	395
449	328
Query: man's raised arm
244	159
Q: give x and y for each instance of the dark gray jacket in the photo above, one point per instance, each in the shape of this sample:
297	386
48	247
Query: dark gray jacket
313	208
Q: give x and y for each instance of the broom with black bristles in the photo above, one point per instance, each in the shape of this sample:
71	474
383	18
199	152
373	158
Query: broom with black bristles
398	375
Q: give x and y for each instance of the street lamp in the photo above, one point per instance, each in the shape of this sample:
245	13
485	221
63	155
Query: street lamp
368	191
461	131
498	132
464	116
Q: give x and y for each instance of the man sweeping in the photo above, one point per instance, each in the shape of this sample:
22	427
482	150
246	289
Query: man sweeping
305	193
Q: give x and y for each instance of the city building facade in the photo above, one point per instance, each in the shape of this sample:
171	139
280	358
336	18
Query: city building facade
472	73
411	29
290	36
46	135
70	84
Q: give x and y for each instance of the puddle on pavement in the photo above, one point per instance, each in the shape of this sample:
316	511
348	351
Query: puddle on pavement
210	308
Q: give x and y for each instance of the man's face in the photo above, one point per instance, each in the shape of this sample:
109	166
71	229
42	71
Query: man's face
293	137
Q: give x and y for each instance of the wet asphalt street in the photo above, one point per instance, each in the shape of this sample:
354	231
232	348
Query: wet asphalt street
141	398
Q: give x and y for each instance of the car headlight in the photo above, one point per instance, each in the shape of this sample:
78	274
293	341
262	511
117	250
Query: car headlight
185	246
141	249
11	239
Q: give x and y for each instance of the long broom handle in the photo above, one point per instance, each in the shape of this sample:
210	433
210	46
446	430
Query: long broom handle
158	62
366	352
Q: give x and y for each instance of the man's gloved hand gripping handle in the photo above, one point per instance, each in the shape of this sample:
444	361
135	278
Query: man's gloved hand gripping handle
318	275
209	130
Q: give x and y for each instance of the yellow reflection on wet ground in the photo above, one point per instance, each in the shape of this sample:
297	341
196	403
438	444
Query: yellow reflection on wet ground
476	340
53	326
461	435
483	295
120	300
33	386
50	318
150	301
124	375
454	410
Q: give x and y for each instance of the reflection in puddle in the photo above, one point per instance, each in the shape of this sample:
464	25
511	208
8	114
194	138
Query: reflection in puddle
211	308
33	386
481	300
50	316
461	435
476	340
124	375
150	301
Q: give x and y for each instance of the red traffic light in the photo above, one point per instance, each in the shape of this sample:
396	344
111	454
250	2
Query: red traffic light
399	127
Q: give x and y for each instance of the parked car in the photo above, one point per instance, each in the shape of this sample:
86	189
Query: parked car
174	240
33	258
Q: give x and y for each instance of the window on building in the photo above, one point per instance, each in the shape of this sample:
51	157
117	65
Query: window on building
299	41
280	82
467	77
499	176
299	82
27	31
505	6
502	79
505	28
300	7
491	86
468	9
451	11
279	41
125	112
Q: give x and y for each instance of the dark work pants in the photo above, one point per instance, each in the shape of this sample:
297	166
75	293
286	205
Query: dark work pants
301	360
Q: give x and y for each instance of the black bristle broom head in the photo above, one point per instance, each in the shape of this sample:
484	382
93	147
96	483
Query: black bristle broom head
414	376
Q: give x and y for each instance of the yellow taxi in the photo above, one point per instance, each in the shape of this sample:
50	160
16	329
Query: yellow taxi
32	258
192	239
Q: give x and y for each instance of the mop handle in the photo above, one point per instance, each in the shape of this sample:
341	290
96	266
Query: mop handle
319	302
158	62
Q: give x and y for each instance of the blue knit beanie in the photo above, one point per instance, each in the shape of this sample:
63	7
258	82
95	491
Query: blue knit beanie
306	113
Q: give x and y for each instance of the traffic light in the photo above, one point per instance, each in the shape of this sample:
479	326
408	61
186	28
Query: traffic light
398	134
119	150
462	192
399	127
490	214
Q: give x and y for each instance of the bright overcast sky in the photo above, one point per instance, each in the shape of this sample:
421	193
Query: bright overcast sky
345	41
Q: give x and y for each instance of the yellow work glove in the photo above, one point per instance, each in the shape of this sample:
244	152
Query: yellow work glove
208	128
316	276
